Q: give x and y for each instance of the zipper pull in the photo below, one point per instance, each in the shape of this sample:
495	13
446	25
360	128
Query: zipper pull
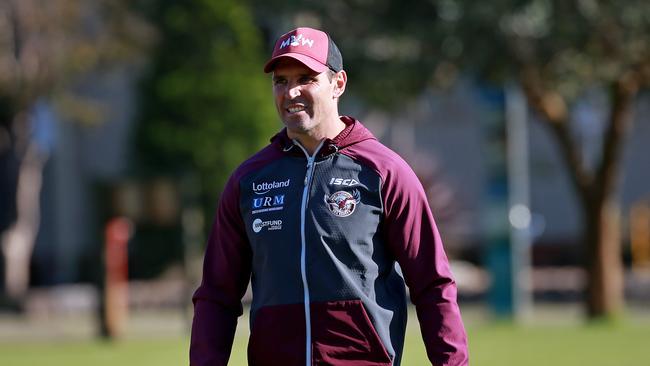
309	163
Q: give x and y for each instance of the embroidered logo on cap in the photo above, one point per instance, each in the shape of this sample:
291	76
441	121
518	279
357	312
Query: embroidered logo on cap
342	203
297	40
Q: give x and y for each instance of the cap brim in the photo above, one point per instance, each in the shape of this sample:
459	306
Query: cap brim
305	60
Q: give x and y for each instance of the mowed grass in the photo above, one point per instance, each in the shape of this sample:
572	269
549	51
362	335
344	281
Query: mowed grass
490	345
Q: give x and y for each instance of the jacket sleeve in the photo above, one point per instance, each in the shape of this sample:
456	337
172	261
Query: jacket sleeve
415	242
226	273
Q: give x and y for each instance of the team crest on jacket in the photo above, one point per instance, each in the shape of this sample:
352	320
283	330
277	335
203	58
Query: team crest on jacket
342	203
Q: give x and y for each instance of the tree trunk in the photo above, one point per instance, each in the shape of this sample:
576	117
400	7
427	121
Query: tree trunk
604	262
19	239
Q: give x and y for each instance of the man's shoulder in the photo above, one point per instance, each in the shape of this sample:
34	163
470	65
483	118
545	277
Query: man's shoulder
397	176
379	157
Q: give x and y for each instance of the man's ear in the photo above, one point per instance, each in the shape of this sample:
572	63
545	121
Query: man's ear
340	81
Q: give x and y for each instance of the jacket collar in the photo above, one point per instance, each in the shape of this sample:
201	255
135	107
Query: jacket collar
353	133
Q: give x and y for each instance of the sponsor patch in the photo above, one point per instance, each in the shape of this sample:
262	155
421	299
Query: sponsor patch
259	225
342	203
268	203
266	187
343	182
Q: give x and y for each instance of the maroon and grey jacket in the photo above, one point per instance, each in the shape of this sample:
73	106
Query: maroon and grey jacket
319	237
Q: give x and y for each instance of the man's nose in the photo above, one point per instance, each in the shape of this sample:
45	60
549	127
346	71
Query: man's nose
293	91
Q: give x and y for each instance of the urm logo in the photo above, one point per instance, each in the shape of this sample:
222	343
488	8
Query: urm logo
268	201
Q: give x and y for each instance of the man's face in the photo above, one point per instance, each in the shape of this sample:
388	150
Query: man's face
304	99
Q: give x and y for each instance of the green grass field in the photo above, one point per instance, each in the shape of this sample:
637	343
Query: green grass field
490	345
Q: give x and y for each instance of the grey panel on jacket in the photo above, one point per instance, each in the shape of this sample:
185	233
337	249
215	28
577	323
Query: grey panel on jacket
276	275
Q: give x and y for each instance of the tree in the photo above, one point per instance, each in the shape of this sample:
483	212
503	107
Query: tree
46	46
206	102
556	50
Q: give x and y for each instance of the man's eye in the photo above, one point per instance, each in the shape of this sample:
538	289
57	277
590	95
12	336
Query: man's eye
279	82
306	79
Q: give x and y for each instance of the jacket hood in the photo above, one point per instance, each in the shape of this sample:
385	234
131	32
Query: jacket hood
354	133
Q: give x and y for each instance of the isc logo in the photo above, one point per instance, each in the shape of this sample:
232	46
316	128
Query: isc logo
343	182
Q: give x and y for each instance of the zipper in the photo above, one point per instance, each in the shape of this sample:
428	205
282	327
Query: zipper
303	244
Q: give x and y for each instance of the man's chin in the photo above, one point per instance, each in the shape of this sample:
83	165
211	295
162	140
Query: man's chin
297	123
298	116
295	130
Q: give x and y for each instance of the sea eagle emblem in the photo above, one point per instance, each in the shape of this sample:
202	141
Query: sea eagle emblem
342	203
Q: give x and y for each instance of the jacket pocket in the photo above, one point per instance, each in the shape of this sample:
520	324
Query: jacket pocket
278	336
342	335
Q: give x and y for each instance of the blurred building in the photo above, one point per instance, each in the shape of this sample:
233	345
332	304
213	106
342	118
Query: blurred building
84	155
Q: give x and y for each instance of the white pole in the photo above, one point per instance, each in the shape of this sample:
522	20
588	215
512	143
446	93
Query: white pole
519	214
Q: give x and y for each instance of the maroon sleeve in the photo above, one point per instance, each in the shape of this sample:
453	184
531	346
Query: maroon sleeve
226	273
414	240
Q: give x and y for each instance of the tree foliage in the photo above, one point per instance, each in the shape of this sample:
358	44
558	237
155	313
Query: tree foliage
206	101
394	49
45	45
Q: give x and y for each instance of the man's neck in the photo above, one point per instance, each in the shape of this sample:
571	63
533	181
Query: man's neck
311	139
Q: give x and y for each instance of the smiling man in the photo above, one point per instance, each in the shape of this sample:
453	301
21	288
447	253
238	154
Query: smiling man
307	101
330	214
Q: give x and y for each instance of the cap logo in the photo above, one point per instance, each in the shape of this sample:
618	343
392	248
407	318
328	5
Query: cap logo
297	41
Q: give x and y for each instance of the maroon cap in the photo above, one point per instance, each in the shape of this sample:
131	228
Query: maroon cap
314	48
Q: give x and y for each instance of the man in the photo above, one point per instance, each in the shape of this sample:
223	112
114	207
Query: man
317	221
